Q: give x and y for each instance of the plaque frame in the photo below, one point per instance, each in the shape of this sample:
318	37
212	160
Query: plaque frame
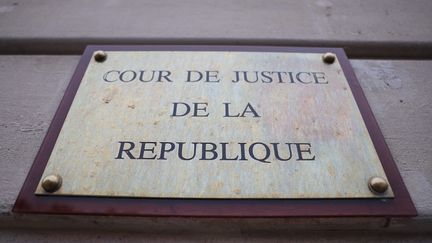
399	206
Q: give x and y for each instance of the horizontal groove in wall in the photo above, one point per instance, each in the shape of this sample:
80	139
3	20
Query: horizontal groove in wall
354	49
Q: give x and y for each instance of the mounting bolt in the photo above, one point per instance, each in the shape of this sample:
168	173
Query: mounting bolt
100	56
51	183
377	185
329	57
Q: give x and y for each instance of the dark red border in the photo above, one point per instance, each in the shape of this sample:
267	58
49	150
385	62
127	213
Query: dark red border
28	202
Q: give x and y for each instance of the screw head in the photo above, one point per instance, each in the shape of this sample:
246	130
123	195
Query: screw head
329	57
51	183
100	56
378	185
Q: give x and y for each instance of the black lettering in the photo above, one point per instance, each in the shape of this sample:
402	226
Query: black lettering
180	151
300	80
174	113
164	149
319	75
165	75
250	109
279	74
291	77
227	113
245	75
127	151
212	76
300	151
141	76
105	77
122	78
189	76
266	78
242	151
144	149
266	156
237	77
202	108
224	153
276	151
205	150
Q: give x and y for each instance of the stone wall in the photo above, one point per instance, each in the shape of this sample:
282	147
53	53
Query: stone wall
40	44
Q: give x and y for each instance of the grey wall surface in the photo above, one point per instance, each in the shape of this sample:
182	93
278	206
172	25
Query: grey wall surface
33	80
366	28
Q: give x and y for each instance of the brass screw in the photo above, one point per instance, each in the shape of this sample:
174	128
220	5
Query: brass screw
378	185
52	183
100	56
329	57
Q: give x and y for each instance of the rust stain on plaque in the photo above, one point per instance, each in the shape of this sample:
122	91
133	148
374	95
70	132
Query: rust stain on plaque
214	125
